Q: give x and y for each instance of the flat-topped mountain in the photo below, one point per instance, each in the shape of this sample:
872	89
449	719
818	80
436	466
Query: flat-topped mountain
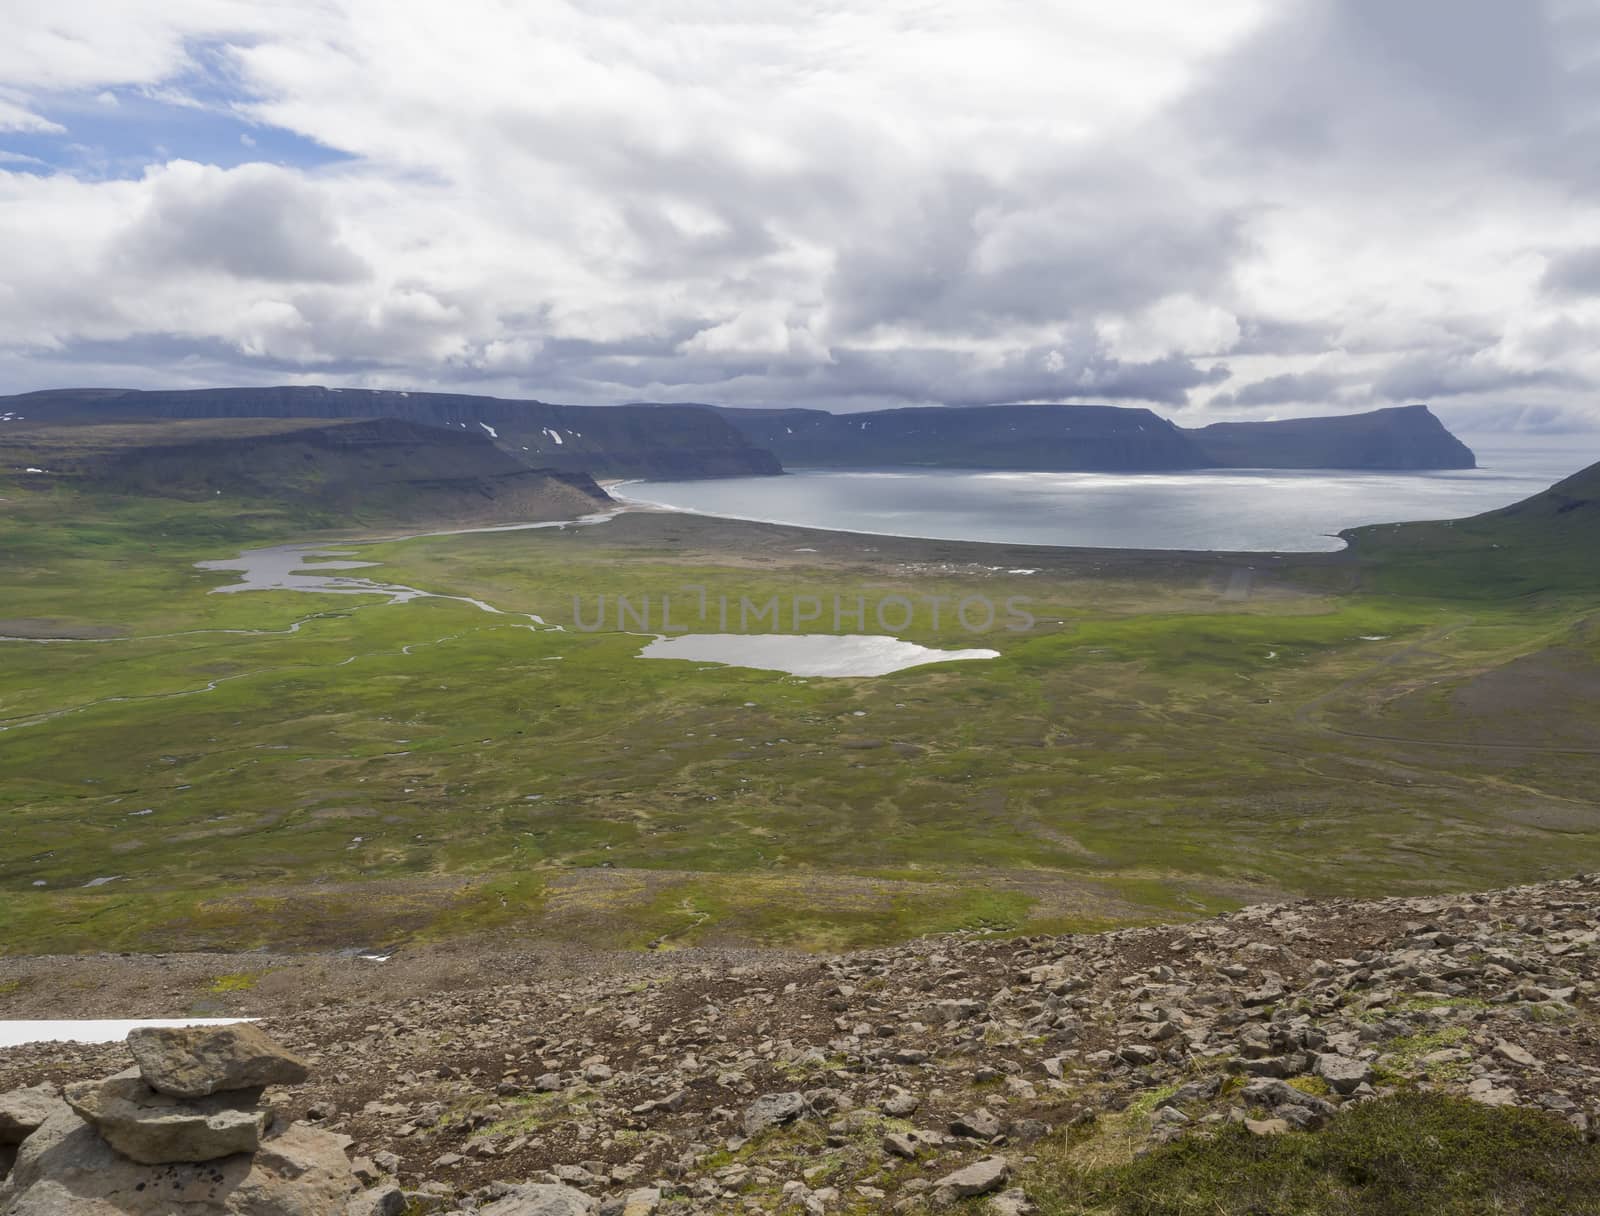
604	441
375	469
1402	437
679	441
1096	438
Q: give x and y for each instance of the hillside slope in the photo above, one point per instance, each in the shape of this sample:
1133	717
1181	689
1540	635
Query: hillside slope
620	441
1403	437
1432	1055
370	470
1548	542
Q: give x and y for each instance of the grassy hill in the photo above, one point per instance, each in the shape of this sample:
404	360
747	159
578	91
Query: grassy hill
1549	542
369	471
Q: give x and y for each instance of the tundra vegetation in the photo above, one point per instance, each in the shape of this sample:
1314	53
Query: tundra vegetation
1177	734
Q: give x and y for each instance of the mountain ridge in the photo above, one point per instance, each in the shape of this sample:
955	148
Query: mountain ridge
1097	438
671	441
603	441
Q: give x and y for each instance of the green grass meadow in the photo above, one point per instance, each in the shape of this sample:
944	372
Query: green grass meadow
313	771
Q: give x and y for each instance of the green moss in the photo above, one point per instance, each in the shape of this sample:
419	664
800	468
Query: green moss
1413	1154
240	981
1402	1057
1146	1102
1314	1086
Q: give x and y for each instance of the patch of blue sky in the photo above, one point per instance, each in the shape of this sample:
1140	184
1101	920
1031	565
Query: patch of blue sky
117	133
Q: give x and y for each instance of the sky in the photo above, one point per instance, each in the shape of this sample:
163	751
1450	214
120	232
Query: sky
1236	209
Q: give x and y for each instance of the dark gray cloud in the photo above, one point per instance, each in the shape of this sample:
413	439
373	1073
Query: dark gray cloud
1520	419
967	256
1424	376
1289	388
1391	89
257	222
1278	336
1573	273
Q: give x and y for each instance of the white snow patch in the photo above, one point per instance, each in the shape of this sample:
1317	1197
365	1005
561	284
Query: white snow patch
493	434
1022	572
1374	637
93	1030
556	435
816	654
100	882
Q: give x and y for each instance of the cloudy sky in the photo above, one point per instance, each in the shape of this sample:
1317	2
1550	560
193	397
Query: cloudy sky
1242	208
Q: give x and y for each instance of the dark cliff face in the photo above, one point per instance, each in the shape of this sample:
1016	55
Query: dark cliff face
1404	437
1039	437
605	441
1097	438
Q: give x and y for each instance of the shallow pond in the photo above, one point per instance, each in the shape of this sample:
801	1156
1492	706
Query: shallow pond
815	654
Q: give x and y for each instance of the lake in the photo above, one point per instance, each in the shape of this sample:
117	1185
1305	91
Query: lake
1242	510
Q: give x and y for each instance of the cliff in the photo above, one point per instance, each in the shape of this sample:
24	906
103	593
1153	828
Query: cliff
1403	437
1096	438
604	441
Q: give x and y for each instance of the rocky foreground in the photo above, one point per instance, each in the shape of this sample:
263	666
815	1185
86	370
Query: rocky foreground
951	1071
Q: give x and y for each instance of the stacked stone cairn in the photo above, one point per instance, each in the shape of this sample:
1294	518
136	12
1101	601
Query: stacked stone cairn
184	1132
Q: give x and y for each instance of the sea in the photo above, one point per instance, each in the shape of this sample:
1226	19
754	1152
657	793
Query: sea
1237	510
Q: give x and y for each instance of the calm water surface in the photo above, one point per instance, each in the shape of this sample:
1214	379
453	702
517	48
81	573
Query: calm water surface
1227	509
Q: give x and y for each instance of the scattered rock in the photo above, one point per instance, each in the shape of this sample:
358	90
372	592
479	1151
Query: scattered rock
543	1199
1343	1074
1267	1127
979	1178
979	1125
1519	1056
771	1110
380	1201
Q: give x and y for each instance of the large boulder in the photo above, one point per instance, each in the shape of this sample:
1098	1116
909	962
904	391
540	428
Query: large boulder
66	1169
156	1128
22	1110
197	1061
542	1199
